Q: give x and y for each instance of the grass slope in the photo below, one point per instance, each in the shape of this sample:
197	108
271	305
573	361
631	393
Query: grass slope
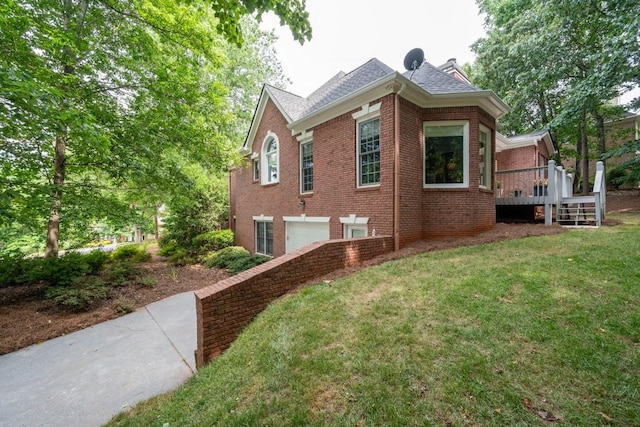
512	333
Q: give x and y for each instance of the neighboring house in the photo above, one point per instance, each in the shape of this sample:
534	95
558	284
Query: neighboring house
373	151
524	151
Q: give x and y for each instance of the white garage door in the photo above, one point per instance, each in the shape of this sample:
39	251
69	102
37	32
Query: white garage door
300	234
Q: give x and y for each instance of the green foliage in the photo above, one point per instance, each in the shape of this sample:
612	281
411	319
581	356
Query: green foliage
124	306
120	273
78	296
224	257
168	247
106	107
131	252
560	63
15	270
212	241
234	258
245	263
628	170
96	261
201	208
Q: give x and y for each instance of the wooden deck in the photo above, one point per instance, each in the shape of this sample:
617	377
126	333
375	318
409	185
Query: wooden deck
549	186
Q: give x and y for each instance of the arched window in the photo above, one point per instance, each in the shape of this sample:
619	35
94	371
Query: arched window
270	159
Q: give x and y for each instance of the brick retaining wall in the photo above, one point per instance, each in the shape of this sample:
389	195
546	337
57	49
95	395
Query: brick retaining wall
226	307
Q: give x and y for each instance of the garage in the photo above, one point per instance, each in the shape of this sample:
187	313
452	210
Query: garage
303	230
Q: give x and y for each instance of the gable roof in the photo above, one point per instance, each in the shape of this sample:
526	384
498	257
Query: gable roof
435	80
525	140
426	86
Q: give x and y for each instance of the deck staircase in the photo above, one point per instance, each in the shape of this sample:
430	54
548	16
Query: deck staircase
552	187
577	212
584	211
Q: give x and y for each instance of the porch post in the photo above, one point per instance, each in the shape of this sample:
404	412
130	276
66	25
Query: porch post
551	191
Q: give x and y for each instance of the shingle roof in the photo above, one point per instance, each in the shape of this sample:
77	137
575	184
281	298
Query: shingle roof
337	87
427	76
434	80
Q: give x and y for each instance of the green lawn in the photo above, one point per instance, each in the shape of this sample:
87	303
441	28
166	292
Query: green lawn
501	334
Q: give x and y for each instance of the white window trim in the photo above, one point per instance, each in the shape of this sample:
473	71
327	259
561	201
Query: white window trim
370	115
262	218
305	218
352	221
264	163
256	220
488	160
465	153
305	141
367	111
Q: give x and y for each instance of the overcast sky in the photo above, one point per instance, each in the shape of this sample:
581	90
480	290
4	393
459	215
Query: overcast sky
347	33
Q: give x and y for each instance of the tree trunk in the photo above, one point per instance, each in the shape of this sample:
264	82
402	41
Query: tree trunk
156	223
585	153
602	138
53	228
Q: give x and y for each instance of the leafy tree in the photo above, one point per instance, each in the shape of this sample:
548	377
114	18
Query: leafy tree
102	97
558	63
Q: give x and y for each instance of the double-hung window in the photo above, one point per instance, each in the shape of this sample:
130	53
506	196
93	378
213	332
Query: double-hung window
446	154
369	152
484	156
306	167
264	237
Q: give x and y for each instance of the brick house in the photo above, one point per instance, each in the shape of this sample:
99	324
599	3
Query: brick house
524	151
371	152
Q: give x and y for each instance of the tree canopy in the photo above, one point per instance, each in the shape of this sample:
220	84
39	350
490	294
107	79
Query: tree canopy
102	104
559	63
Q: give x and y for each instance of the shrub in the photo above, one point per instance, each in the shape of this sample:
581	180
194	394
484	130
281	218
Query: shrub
80	296
244	263
223	257
15	270
212	241
124	306
168	248
135	253
62	271
96	261
233	258
180	257
121	272
616	176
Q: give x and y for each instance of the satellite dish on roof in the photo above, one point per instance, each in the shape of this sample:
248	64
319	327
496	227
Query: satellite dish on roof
414	59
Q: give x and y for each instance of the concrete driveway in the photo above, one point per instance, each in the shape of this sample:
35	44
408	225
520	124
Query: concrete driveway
87	377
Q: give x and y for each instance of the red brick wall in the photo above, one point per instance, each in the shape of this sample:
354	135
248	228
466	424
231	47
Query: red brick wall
424	213
460	211
226	307
335	192
518	158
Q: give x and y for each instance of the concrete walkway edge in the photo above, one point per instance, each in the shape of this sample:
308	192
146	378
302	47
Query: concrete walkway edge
87	377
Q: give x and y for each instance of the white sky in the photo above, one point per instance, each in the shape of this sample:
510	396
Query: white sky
347	33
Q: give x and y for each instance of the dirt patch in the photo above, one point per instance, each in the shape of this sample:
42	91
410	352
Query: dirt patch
26	318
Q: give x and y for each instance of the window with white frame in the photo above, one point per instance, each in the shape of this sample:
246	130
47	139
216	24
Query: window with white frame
306	167
270	159
354	226
264	237
446	154
256	169
369	152
484	156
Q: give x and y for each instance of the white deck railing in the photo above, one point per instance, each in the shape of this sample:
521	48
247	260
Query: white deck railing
600	193
543	185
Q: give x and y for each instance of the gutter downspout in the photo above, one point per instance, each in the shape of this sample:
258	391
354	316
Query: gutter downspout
396	169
